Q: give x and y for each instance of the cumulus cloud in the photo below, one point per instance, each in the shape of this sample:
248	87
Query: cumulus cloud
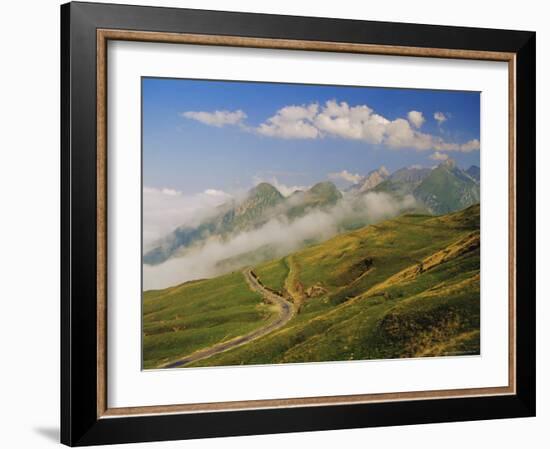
358	122
216	118
281	235
399	134
416	118
291	122
471	145
346	176
339	119
437	156
165	209
440	117
351	122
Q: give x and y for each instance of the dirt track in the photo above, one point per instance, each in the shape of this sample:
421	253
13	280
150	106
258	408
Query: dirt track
286	313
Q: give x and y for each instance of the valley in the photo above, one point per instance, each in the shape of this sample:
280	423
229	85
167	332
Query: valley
402	287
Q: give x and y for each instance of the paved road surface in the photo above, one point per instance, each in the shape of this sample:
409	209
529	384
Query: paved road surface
286	312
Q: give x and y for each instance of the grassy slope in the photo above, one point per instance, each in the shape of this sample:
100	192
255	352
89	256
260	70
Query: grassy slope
406	287
180	320
447	189
273	274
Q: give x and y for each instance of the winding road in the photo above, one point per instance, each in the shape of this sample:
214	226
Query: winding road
286	312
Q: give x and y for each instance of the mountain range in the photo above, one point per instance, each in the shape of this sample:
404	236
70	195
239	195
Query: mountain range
262	203
370	181
443	189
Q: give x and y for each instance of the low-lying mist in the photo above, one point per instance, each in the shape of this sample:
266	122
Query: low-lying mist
280	235
166	209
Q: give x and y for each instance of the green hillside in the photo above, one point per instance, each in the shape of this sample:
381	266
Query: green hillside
442	190
261	199
448	188
321	195
197	314
406	287
403	181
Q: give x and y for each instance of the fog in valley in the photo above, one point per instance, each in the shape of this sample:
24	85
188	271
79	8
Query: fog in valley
163	212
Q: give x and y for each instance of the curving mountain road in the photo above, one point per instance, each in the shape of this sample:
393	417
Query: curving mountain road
286	313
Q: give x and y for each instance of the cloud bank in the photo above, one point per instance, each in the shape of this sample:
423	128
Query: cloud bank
166	209
333	119
280	235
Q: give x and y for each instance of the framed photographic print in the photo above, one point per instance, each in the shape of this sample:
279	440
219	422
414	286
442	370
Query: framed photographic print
278	224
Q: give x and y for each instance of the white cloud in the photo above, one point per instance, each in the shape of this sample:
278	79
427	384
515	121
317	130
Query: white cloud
471	145
357	123
291	122
346	176
165	209
217	193
333	119
416	118
280	234
437	156
440	117
216	118
399	134
381	205
163	191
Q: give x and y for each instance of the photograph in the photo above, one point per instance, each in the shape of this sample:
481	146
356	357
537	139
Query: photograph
281	222
296	223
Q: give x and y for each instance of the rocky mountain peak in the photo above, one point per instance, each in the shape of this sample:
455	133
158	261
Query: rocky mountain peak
373	178
264	189
449	163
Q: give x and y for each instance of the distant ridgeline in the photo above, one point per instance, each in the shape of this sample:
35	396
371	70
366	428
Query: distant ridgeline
440	190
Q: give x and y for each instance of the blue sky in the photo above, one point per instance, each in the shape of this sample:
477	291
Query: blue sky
256	134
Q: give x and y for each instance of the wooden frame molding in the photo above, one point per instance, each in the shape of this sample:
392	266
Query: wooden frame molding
105	35
291	44
86	29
